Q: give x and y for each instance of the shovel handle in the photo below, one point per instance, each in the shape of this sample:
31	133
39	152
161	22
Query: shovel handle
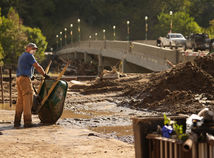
46	71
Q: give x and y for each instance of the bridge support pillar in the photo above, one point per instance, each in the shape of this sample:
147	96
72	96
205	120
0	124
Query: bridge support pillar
85	57
100	64
75	55
124	65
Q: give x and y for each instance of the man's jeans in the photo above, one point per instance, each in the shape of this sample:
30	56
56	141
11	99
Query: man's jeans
24	100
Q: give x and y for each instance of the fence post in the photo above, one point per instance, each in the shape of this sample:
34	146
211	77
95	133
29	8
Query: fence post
2	89
10	85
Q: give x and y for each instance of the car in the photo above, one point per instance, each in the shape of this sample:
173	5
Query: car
198	41
172	40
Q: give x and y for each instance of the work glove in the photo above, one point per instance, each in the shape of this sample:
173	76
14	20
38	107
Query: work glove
47	76
32	78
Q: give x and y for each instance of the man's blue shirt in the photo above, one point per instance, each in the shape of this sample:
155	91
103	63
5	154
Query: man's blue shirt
25	65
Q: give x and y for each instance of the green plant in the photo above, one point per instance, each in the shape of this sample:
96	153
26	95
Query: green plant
178	129
166	120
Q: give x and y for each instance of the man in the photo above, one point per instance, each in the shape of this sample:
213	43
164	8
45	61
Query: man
26	65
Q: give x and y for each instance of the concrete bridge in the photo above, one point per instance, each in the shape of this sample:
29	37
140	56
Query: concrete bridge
133	56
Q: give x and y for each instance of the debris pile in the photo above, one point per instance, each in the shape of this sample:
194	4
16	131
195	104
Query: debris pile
175	90
111	74
186	88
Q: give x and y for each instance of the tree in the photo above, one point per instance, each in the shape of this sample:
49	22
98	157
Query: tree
52	16
182	23
1	49
202	11
210	30
175	5
1	55
14	36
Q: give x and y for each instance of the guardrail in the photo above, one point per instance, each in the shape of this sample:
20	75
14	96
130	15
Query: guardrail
144	55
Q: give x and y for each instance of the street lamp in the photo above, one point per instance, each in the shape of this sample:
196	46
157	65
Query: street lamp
89	41
71	32
170	13
114	34
104	34
146	27
104	37
65	36
128	32
60	39
57	42
78	20
95	36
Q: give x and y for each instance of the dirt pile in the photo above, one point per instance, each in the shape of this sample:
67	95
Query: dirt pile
175	90
206	64
186	88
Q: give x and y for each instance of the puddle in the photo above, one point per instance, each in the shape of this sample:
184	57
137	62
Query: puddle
106	123
73	114
6	106
84	114
101	115
119	130
123	133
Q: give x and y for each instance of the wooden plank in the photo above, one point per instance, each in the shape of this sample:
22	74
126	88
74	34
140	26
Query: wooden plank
211	149
159	137
175	151
194	151
205	150
150	149
170	150
200	150
153	148
137	139
157	148
180	153
42	81
166	149
161	149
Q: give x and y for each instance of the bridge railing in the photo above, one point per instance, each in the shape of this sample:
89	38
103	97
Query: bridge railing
149	56
153	52
100	44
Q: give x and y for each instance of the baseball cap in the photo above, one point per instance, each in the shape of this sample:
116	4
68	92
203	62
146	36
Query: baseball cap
32	45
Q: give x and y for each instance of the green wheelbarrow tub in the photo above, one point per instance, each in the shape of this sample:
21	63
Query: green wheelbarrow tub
52	109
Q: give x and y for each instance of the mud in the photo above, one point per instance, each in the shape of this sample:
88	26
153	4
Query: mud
186	88
101	113
108	106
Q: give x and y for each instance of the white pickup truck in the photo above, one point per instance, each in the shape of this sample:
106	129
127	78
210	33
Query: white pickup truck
172	40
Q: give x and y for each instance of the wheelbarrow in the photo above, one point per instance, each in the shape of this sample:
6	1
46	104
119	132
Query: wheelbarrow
48	104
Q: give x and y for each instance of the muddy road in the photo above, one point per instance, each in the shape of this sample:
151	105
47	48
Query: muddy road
106	107
98	109
101	113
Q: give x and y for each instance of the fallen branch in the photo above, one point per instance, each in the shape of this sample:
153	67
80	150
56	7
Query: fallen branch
170	63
